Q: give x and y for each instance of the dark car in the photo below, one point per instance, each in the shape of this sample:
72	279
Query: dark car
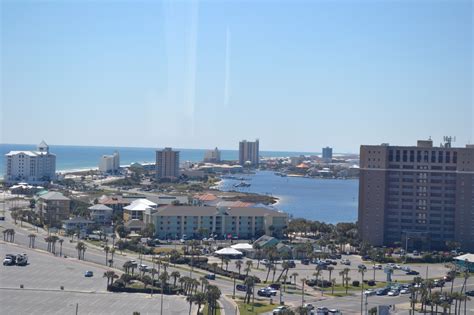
275	286
210	276
241	287
470	293
292	264
383	291
88	274
412	273
305	261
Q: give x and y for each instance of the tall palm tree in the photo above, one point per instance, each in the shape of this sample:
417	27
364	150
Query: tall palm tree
303	281
330	270
249	265
362	271
226	262
212	295
214	267
163	279
110	275
204	284
31	238
81	249
190	300
106	250
249	283
199	298
61	241
294	275
238	265
175	275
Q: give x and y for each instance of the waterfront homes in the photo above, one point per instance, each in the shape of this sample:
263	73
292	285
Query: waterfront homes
53	207
101	214
32	167
191	221
115	202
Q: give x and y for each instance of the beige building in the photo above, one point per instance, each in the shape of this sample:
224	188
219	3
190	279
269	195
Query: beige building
180	221
53	207
420	196
167	164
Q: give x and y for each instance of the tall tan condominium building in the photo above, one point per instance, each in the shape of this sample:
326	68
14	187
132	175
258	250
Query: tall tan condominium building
249	152
167	164
418	196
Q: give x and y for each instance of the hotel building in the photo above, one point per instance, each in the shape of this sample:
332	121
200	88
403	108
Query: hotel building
32	167
249	152
417	196
167	164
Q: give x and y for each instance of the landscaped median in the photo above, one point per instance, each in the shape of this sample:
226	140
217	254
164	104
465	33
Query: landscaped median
259	307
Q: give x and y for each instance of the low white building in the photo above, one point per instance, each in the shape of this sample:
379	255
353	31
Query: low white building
110	163
32	167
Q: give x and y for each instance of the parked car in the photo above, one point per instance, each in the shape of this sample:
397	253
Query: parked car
393	293
382	291
280	309
271	290
210	276
412	273
405	291
88	274
305	261
264	292
275	286
345	262
470	293
241	287
370	292
361	266
447	278
378	266
406	268
292	264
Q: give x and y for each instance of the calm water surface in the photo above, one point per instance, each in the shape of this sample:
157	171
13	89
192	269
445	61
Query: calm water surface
328	200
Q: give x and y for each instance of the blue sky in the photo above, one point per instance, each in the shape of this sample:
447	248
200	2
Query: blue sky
298	75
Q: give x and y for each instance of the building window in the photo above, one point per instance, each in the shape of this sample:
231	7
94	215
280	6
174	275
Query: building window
418	156
412	156
405	156
397	156
440	156
448	157
390	155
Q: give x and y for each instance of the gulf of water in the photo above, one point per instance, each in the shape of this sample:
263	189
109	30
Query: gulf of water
87	157
327	200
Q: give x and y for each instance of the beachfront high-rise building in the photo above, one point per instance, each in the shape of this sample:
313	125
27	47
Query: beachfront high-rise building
212	156
110	163
167	164
327	154
249	152
33	167
417	196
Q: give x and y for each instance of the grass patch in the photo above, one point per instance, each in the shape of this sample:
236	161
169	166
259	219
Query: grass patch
162	250
205	310
338	294
259	307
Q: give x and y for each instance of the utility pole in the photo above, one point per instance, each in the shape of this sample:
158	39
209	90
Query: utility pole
77	308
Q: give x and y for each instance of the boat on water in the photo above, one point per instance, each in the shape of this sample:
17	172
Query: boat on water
242	184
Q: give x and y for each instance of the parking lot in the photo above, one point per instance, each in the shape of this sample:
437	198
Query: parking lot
44	275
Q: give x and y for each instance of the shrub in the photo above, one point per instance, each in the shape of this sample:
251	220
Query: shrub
355	283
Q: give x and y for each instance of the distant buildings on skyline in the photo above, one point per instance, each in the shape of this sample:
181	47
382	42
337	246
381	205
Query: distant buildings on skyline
212	156
420	196
249	152
32	167
167	164
110	163
327	154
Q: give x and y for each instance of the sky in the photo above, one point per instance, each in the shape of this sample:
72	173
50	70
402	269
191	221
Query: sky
298	75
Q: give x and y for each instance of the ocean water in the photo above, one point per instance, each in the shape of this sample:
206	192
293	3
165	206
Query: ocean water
87	157
327	200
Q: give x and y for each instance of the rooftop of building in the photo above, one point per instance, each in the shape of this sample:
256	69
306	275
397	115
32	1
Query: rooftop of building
100	207
211	211
53	195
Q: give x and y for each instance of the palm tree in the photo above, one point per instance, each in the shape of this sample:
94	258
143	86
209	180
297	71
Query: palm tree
81	249
285	268
269	267
110	275
112	252
212	295
32	240
226	262
163	278
303	281
106	250
249	265
190	300
238	265
249	283
175	275
362	271
199	299
330	270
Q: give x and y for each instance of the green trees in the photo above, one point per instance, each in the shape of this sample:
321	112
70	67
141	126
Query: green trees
303	281
249	265
175	275
330	270
238	265
199	299
81	250
249	282
31	238
110	275
212	295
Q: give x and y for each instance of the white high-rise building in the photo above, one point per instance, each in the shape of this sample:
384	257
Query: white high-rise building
110	163
33	167
212	156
